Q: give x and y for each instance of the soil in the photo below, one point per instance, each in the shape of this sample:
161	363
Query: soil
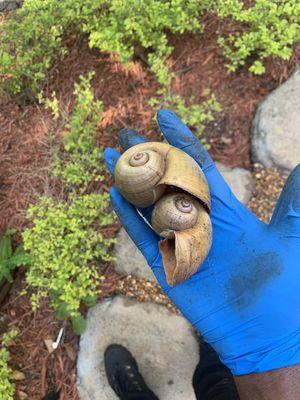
45	372
26	154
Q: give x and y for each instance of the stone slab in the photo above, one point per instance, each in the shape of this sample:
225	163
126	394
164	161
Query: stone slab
164	345
240	181
129	260
275	140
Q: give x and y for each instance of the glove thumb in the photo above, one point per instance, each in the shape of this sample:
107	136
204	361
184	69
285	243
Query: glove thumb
286	215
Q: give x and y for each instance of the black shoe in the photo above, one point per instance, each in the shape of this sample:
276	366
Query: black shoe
213	380
123	374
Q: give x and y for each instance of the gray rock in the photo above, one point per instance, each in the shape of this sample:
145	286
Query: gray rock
8	5
240	181
276	127
129	260
164	345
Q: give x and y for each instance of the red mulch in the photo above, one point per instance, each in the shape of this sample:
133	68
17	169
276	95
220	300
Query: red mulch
24	159
25	155
44	372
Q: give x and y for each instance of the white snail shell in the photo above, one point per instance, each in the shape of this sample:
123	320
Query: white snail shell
157	173
137	176
174	212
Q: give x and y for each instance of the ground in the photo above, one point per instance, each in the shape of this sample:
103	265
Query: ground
25	155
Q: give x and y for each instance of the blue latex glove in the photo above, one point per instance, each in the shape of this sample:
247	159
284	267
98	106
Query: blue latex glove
245	298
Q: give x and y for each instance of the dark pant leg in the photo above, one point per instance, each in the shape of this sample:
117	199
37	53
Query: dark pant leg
212	380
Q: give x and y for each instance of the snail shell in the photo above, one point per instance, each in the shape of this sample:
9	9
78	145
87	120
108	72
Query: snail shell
157	173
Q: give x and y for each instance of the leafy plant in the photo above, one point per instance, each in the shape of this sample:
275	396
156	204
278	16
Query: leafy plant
33	37
9	258
7	388
79	163
271	28
50	104
195	115
66	245
124	26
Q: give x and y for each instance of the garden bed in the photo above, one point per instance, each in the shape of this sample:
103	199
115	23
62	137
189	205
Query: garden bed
25	153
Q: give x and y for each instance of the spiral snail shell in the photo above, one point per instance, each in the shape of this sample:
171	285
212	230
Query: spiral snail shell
159	174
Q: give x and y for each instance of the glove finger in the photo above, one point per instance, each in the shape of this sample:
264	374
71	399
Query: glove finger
129	137
142	235
287	210
180	136
111	157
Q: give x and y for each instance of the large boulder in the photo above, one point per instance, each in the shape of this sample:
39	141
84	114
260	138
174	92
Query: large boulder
275	138
128	258
164	345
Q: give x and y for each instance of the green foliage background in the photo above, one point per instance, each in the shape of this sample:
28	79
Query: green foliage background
7	388
195	115
9	258
271	28
32	39
79	164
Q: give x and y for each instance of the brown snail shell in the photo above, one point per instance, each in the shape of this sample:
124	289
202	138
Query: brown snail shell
185	225
158	173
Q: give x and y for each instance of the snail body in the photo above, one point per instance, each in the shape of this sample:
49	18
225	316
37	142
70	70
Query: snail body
159	174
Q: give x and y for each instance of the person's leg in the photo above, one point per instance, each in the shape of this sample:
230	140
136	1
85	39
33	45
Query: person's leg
123	375
212	380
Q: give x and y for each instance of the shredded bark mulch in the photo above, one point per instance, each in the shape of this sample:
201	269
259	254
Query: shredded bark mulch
44	371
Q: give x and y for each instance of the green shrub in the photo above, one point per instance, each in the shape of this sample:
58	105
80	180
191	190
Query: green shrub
33	37
66	242
79	162
66	246
30	40
50	104
9	258
271	28
124	25
7	388
195	115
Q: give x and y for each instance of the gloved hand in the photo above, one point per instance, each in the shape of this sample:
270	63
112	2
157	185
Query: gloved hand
245	298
